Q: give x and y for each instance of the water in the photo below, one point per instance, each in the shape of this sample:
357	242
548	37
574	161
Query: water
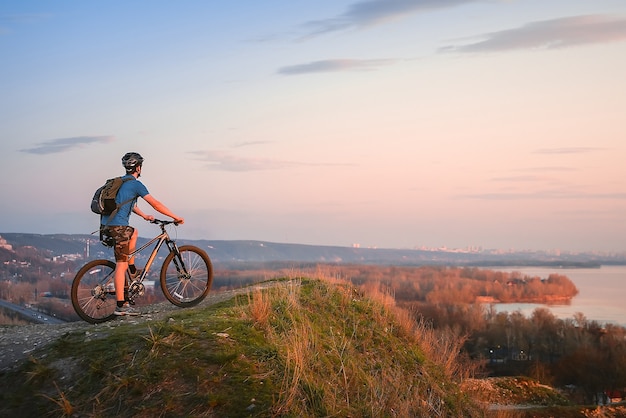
601	297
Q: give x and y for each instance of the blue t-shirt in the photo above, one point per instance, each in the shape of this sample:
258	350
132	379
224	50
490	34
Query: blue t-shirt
131	189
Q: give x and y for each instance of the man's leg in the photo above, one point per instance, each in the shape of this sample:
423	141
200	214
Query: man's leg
123	237
120	279
132	245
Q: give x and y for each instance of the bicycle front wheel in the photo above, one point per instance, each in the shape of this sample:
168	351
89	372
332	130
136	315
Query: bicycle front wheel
186	277
93	291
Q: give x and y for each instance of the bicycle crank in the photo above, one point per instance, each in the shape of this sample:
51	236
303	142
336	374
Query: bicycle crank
136	289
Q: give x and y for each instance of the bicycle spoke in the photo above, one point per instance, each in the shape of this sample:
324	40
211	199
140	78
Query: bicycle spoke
186	280
93	293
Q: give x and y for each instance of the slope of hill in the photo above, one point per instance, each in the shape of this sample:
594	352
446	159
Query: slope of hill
302	348
298	347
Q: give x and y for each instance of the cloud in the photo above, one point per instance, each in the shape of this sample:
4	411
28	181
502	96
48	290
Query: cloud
223	161
556	193
528	178
216	160
65	144
9	20
533	174
545	195
250	143
550	34
24	17
375	12
567	150
333	66
546	169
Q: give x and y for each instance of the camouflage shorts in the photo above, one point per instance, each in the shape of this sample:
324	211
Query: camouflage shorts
121	235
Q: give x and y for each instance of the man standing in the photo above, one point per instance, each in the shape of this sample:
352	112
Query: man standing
125	236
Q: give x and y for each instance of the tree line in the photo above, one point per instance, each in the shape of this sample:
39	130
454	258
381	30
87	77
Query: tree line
452	285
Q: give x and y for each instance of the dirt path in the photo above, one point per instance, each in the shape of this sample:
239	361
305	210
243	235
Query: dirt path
17	342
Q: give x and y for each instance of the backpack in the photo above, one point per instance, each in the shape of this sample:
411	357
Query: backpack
103	201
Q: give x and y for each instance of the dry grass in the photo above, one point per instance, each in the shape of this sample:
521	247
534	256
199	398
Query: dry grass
260	307
156	341
335	341
65	408
442	346
297	350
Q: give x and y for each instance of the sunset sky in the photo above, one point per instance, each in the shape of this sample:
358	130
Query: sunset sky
387	123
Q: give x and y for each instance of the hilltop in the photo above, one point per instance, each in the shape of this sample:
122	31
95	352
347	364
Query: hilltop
300	348
293	347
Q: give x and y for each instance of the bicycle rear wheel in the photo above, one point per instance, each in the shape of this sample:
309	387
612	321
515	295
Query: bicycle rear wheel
186	279
93	291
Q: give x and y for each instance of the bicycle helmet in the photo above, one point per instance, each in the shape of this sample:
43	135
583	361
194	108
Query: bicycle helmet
132	160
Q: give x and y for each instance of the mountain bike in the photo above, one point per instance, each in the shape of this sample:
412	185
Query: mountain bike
186	277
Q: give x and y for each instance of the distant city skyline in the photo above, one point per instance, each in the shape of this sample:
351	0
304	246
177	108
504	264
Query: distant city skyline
388	123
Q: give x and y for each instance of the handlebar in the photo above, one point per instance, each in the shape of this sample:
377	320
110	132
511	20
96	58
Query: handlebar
163	223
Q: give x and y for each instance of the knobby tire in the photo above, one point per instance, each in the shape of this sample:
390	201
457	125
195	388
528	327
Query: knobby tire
189	289
93	293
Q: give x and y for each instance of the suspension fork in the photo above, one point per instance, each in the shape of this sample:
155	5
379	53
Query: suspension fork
178	260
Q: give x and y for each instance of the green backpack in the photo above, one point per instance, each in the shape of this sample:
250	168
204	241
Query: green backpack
103	201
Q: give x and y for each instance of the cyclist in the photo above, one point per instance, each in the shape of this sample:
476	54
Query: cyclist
125	236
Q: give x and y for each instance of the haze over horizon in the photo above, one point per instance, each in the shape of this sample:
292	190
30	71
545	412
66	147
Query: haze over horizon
387	123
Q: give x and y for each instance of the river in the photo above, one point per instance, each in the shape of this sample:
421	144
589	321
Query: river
601	297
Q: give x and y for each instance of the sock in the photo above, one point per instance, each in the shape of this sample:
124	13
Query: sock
120	303
132	268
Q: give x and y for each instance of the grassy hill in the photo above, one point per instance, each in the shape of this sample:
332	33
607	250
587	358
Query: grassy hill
301	348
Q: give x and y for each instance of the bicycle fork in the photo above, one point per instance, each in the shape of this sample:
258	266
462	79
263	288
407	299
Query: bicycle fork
181	269
183	273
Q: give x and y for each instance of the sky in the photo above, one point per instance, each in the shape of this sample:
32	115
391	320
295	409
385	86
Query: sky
379	123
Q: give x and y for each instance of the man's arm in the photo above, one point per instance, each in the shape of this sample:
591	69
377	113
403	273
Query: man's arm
142	214
160	207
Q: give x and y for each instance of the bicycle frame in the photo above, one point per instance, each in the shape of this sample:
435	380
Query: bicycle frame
135	286
162	238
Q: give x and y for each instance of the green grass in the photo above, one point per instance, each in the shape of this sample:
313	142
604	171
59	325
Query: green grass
302	348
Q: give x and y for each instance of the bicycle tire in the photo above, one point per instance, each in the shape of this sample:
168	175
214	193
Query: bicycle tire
187	291
93	291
